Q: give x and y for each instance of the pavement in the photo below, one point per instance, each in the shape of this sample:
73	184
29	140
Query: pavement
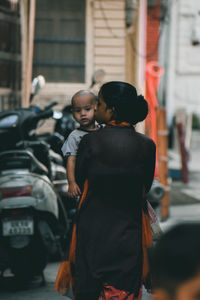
182	193
184	198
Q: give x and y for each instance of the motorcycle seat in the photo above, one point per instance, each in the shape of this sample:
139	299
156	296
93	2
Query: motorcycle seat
16	159
56	158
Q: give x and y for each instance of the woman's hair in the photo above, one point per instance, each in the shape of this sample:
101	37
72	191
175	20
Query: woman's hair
122	96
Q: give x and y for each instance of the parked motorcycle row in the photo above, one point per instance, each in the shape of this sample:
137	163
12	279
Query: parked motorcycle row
35	211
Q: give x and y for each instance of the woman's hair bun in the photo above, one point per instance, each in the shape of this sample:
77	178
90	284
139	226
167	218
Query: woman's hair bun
134	110
141	108
123	97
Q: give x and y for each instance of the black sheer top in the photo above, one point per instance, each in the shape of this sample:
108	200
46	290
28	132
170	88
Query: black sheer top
118	162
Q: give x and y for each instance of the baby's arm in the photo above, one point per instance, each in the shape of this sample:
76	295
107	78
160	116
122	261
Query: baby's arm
73	189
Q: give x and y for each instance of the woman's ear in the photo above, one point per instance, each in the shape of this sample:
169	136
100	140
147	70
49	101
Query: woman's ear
95	106
113	112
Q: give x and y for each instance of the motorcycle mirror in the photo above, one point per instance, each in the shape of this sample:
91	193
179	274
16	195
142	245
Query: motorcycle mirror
97	77
57	115
37	84
156	192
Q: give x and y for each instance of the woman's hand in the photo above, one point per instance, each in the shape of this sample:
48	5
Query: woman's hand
73	190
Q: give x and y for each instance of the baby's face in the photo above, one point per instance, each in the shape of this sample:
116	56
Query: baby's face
83	110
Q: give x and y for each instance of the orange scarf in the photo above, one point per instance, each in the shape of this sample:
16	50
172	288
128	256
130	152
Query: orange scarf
64	278
118	123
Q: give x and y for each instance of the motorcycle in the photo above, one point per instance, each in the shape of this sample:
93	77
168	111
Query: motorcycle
34	222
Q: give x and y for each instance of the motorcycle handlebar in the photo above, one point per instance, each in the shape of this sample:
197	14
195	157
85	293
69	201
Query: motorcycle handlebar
44	115
50	105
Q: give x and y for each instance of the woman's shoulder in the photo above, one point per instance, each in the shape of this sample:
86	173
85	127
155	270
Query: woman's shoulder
95	136
145	139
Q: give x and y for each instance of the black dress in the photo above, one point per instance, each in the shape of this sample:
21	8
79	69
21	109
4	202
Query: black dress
118	162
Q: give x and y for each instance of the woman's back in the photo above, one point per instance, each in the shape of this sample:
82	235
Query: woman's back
116	153
117	161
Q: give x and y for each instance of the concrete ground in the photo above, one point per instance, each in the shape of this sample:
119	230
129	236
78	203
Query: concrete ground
184	198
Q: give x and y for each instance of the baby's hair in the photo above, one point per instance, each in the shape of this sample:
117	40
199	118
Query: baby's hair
175	258
81	93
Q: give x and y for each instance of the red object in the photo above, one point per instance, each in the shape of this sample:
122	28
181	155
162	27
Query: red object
153	74
184	153
18	191
153	31
17	212
109	292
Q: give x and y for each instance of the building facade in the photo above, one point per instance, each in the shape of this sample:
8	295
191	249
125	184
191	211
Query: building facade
89	36
179	55
76	38
66	41
10	55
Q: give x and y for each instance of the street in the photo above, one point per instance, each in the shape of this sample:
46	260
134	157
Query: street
185	207
34	291
178	213
184	213
67	66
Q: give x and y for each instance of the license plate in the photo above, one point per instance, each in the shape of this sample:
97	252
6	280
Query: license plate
18	227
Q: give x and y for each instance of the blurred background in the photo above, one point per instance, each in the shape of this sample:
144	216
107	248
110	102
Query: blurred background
80	44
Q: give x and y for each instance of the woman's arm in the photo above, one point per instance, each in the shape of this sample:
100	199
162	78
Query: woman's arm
150	160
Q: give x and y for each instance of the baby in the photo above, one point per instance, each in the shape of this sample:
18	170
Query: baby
83	107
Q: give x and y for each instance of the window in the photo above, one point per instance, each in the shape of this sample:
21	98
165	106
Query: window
59	46
10	58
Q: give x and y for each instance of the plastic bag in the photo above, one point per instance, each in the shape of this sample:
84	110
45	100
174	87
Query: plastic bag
155	226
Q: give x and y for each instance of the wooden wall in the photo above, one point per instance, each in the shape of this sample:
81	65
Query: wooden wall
109	38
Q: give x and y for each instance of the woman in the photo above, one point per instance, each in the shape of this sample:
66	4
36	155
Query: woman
114	166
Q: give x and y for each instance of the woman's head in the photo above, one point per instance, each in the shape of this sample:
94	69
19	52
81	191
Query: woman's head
119	101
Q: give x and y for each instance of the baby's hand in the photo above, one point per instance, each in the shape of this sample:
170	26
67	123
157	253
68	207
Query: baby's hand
73	190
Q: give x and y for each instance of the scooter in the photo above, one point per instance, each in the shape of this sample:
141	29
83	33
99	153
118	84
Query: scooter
64	124
34	222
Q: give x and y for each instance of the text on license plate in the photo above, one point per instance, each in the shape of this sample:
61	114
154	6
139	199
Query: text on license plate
18	227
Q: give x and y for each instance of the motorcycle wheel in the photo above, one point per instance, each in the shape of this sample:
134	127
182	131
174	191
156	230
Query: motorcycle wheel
28	261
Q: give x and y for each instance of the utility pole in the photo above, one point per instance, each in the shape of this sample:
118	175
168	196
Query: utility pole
162	146
28	8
